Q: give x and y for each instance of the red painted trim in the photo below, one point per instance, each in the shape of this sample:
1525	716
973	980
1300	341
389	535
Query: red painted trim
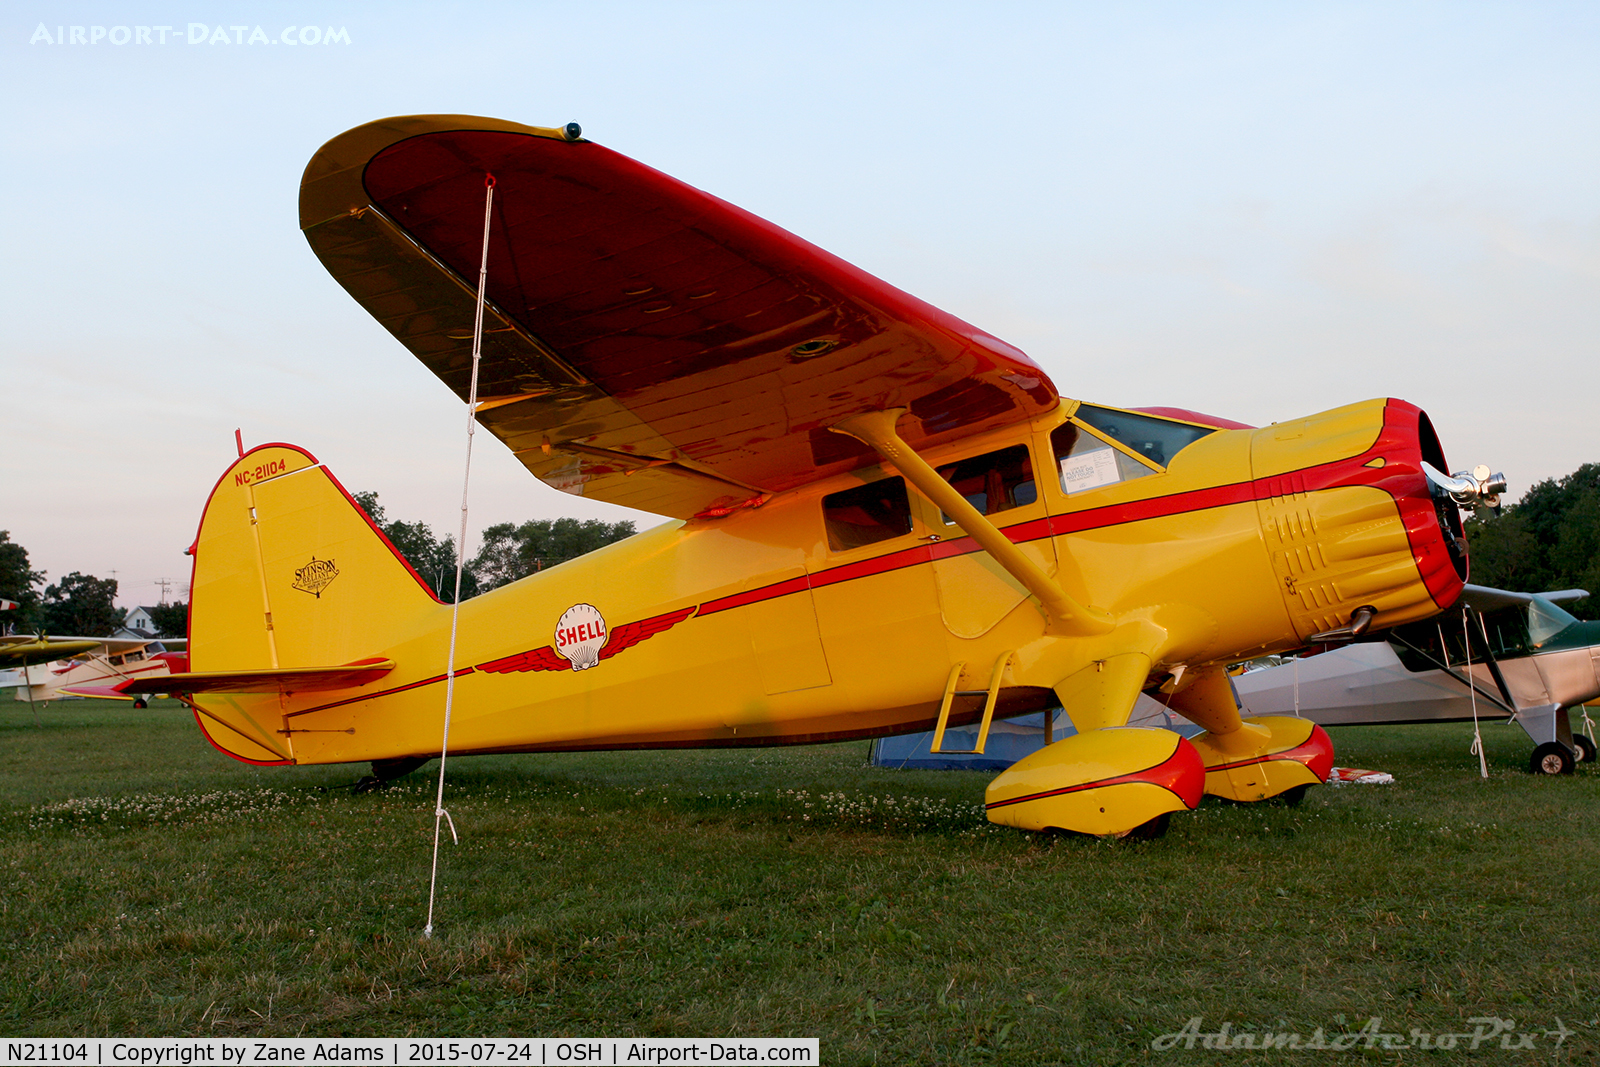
752	596
379	693
1199	418
1177	774
1316	748
1405	484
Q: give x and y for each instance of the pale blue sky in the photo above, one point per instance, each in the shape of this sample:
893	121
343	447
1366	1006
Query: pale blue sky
1258	210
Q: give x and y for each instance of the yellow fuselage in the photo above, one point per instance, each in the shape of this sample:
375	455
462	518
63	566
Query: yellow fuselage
755	631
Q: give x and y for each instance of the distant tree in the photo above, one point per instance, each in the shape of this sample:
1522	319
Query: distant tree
1550	539
510	552
433	558
172	620
81	605
17	582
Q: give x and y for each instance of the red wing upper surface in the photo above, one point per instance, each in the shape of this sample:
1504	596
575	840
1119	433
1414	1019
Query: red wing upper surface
646	343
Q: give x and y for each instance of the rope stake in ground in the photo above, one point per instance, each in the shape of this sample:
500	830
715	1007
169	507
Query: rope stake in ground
1472	689
440	815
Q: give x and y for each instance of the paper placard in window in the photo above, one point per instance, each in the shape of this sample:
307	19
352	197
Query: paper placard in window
1089	470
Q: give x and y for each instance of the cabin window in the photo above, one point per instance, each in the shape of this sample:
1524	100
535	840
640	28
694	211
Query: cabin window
1446	641
867	514
1507	630
1425	646
993	482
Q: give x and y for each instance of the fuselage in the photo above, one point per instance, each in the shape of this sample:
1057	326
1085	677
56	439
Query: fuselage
833	612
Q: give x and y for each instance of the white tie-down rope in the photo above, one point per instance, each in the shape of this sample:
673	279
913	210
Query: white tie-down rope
441	816
1296	662
1477	738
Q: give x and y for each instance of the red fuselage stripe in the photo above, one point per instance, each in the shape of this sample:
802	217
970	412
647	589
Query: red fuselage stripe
1332	475
379	693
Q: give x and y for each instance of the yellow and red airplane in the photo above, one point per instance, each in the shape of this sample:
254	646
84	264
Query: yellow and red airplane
883	519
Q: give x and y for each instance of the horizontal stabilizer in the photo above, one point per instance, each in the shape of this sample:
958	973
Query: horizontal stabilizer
282	680
99	692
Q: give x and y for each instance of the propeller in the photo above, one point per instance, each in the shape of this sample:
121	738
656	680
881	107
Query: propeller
1477	488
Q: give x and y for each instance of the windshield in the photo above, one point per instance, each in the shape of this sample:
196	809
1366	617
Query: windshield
1158	440
1545	620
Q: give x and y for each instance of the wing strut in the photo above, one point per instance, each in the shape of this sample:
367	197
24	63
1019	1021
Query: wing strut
1067	616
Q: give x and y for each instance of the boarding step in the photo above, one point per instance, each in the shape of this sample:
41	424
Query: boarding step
991	695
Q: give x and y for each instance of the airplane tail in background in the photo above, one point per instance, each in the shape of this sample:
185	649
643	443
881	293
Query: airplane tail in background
294	589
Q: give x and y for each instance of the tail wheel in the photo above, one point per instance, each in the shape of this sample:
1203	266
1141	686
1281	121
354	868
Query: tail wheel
1552	757
1585	746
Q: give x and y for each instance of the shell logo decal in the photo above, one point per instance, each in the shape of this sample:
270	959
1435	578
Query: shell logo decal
583	640
580	635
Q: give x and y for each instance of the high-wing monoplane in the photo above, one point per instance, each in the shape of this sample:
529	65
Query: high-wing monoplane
882	517
91	666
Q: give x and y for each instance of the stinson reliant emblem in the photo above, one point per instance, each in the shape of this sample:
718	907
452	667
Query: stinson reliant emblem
315	576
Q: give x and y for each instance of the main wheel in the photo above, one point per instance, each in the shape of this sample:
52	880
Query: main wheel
140	702
1552	757
1149	831
1585	746
1291	798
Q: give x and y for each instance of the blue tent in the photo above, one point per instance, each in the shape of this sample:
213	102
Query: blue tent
1009	740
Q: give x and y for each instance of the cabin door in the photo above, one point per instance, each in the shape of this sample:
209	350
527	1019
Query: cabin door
975	592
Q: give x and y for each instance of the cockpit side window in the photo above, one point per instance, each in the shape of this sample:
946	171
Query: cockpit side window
1086	462
1158	440
1423	646
1507	630
993	482
867	514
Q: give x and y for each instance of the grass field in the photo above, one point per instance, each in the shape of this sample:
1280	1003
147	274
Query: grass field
154	887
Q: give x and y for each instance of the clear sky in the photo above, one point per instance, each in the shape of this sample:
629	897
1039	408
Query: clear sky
1256	210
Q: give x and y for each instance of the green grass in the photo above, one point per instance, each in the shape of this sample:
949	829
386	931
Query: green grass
153	887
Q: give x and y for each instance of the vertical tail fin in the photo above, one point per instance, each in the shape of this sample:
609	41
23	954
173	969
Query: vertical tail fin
289	573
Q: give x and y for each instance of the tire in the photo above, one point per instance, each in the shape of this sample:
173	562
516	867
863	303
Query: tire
1151	830
141	702
1552	757
1585	746
1291	798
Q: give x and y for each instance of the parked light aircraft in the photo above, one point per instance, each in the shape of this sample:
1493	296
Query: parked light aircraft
1503	654
882	518
92	667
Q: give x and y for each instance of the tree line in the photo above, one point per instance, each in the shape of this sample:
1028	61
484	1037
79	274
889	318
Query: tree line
508	552
1550	539
83	605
